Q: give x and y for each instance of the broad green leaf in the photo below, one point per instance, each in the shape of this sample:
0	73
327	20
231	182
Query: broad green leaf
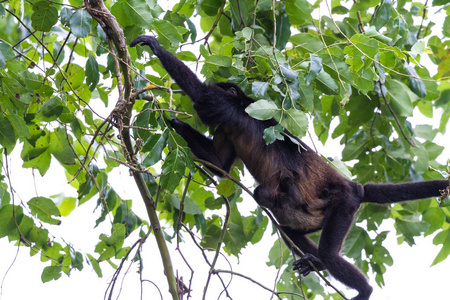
259	88
51	273
262	110
295	121
273	133
134	12
365	45
40	162
65	204
307	42
186	56
415	83
299	11
6	52
173	170
241	14
75	76
154	147
45	15
446	28
92	73
226	187
383	14
81	23
44	209
95	265
326	84
51	109
410	229
400	97
19	125
7	135
59	147
315	66
167	32
65	15
10	218
283	31
210	7
216	61
442	238
440	2
353	150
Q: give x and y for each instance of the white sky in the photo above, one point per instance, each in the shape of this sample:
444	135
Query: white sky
411	276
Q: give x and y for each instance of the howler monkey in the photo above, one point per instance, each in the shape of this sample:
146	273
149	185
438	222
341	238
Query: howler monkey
303	192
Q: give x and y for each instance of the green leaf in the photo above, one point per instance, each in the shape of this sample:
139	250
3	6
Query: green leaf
283	31
446	28
383	14
226	187
409	229
6	52
295	121
40	162
415	83
273	133
65	15
81	23
367	46
353	150
92	73
315	66
400	97
95	265
210	7
259	88
215	61
442	238
51	273
65	204
299	11
134	12
307	42
7	135
154	147
51	109
44	16
59	147
44	209
10	217
75	76
167	32
173	170
262	110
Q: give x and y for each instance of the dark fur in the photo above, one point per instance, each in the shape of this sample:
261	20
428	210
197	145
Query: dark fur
302	191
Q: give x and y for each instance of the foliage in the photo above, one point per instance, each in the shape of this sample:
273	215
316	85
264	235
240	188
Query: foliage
359	73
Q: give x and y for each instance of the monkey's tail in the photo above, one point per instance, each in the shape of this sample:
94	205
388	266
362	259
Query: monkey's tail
392	193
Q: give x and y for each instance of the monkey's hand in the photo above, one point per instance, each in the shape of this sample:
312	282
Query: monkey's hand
149	41
303	264
177	124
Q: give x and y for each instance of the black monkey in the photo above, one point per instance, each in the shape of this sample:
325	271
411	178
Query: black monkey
303	192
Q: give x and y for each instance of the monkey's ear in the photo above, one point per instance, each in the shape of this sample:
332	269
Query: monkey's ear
232	90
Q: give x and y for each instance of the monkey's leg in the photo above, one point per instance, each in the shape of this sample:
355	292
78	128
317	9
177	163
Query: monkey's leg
337	223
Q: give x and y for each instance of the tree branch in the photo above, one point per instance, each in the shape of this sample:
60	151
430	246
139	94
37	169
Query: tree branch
122	114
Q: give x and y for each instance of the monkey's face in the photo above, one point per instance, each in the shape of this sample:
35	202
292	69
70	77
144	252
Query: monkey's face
237	95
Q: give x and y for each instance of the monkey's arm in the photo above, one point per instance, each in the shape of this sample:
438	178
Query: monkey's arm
218	151
183	76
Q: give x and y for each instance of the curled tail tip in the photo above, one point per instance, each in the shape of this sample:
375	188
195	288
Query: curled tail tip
144	39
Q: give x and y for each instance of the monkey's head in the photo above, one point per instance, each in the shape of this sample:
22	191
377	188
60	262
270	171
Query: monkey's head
236	92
